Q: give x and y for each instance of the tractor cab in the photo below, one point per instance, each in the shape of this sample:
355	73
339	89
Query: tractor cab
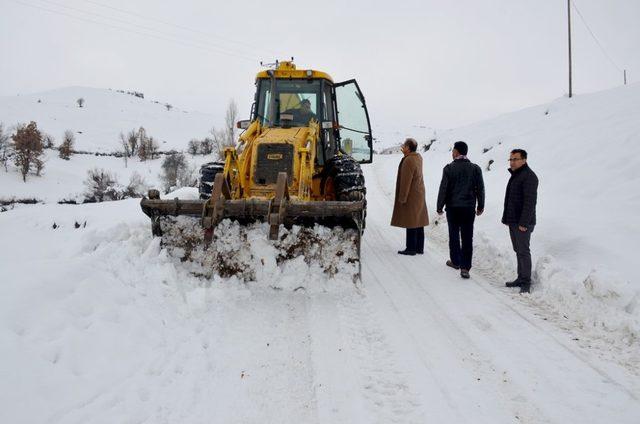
291	98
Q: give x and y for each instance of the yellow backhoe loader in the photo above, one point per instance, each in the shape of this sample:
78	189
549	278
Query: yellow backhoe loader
297	161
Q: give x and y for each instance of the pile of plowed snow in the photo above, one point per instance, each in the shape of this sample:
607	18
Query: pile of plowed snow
300	258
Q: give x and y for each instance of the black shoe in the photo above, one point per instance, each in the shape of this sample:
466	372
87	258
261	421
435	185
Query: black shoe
407	252
419	253
525	288
451	264
514	283
464	273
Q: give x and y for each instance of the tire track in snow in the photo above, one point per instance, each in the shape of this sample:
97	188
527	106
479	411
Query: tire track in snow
497	293
389	399
422	315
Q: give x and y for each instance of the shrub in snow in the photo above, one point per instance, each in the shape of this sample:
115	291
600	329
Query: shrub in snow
48	141
193	148
101	186
206	146
172	165
188	177
66	148
177	172
137	186
27	144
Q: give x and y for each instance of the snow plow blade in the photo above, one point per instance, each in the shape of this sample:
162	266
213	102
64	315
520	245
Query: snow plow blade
251	209
276	211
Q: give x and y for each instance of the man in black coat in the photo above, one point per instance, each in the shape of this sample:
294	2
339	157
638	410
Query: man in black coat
461	187
520	214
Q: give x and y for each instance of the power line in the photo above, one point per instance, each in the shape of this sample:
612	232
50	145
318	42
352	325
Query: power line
196	31
594	37
189	43
137	26
125	22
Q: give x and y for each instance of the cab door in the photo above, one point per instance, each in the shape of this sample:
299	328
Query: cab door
353	121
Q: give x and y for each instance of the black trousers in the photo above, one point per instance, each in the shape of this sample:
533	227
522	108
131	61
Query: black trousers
520	241
460	221
415	239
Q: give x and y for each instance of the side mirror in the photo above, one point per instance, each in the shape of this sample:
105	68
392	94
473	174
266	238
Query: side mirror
369	140
244	124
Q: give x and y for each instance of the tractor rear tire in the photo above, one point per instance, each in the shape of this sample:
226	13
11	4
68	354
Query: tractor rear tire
208	173
348	181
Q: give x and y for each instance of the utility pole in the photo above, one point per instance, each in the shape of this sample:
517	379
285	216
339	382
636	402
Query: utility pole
569	27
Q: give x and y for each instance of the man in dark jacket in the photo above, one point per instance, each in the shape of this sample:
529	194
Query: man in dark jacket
461	187
520	214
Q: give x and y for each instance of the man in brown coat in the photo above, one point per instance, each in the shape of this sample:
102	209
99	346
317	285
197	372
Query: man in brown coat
410	207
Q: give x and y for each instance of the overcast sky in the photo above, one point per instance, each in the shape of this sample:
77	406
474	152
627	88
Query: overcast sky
436	63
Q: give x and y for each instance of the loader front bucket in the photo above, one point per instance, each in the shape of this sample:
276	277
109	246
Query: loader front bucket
278	211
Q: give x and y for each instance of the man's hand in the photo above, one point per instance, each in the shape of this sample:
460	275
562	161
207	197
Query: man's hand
521	228
479	212
440	212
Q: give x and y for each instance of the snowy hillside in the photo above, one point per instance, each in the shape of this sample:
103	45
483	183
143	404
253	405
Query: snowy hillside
100	323
96	127
104	115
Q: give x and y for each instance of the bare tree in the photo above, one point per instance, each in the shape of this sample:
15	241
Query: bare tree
132	138
124	143
28	149
143	142
66	148
152	148
219	138
230	123
80	102
5	147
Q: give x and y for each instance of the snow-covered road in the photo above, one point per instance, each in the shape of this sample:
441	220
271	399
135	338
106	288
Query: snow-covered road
476	353
98	325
